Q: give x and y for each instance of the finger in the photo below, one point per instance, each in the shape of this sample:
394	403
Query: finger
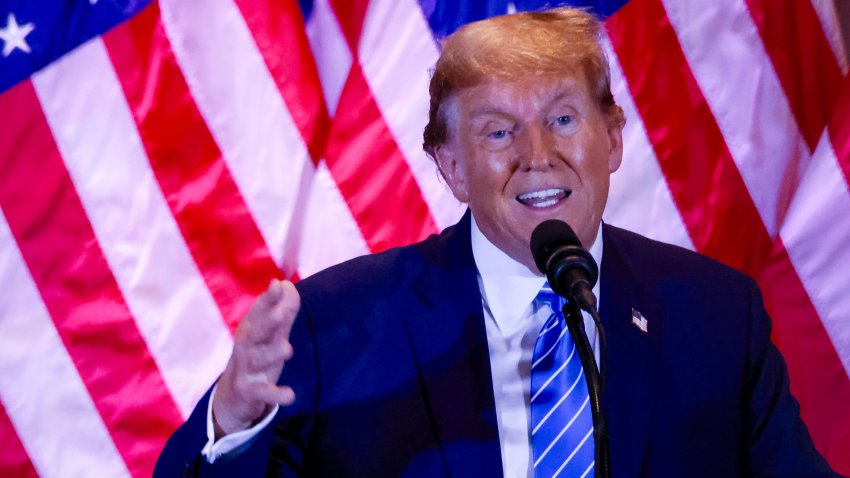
267	358
266	316
275	394
289	305
271	296
278	321
264	326
261	307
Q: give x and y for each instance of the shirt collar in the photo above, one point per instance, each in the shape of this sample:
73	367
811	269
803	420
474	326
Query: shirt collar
507	286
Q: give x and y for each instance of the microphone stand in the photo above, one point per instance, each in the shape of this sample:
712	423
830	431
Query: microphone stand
595	383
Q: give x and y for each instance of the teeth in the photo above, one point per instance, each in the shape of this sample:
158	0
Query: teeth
548	203
541	194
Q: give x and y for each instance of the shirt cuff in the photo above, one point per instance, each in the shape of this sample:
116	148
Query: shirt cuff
234	443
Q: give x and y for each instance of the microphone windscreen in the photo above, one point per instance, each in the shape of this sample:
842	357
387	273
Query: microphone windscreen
548	236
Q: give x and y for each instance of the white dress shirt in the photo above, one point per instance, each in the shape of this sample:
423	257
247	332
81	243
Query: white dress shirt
512	319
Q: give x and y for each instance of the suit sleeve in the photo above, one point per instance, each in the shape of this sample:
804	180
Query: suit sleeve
277	450
779	442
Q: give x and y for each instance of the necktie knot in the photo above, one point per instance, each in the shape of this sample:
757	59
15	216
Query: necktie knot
549	297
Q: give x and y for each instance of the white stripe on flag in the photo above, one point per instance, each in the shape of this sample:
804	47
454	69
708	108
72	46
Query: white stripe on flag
640	199
333	58
816	234
244	110
397	51
724	48
135	229
44	396
330	234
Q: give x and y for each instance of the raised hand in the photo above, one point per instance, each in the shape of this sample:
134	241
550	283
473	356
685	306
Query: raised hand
248	390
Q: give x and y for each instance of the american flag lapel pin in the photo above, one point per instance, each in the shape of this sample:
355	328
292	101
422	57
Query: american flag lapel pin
640	321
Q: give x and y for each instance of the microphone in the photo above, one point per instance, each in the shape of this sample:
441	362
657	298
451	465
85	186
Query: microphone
572	273
569	268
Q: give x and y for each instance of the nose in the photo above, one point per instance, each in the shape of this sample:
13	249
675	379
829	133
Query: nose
536	148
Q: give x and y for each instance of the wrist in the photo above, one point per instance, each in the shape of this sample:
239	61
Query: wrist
224	426
226	423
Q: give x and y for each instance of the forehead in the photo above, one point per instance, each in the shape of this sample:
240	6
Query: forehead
527	95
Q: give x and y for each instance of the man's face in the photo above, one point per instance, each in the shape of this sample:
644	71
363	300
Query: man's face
522	152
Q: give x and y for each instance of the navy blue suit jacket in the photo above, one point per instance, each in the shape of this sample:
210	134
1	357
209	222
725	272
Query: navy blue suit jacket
392	374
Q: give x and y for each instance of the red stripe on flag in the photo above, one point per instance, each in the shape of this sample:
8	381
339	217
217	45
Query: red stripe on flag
703	179
62	254
372	173
818	379
715	204
215	221
14	460
806	65
833	443
364	159
839	129
351	15
278	31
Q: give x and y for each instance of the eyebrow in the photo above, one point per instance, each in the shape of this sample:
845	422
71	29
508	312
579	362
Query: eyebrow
561	93
487	110
565	92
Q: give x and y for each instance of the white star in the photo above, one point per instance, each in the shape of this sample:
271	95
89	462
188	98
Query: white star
15	36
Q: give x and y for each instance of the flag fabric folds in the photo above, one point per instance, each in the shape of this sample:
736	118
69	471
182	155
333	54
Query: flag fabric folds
161	161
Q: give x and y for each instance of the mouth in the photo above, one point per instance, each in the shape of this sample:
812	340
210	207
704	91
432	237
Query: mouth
543	198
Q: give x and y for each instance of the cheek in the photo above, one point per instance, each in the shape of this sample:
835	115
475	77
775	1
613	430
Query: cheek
497	166
488	180
588	158
592	157
493	169
599	197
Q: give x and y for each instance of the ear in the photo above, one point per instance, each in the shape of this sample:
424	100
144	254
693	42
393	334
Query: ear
615	140
453	171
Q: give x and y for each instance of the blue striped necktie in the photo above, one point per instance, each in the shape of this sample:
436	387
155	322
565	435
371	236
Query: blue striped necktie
561	423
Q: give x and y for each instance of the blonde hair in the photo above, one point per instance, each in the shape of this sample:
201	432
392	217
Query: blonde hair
556	42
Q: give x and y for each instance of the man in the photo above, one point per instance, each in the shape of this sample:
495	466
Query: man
422	361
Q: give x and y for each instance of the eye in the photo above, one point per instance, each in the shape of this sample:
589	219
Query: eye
563	120
498	134
564	125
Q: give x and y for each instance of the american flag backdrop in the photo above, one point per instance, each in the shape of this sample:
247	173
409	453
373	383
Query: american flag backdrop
161	161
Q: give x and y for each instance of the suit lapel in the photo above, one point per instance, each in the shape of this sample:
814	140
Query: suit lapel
449	342
632	356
